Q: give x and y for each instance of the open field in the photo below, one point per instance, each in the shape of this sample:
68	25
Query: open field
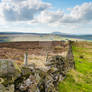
37	50
38	37
80	79
14	38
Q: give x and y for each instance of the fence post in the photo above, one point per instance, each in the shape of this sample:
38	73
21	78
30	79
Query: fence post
26	59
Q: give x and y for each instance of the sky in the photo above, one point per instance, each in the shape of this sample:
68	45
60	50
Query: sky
46	16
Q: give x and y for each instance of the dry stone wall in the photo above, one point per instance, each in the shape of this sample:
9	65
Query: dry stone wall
31	78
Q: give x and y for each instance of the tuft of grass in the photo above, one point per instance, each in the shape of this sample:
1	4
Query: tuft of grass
80	79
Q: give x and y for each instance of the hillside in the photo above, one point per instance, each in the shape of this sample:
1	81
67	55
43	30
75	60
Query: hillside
55	36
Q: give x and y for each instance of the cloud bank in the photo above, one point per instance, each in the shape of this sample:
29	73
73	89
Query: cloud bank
29	10
22	10
78	14
38	12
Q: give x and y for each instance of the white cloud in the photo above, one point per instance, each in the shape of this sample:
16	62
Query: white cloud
37	11
83	12
22	10
29	12
50	16
78	14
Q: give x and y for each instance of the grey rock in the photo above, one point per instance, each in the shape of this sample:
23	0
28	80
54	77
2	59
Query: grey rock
10	88
7	68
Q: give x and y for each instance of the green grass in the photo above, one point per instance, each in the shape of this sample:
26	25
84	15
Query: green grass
80	79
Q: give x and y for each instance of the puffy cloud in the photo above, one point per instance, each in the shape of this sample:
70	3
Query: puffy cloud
83	12
22	10
50	16
36	11
78	14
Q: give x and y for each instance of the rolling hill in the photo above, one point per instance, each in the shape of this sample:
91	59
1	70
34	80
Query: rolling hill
19	36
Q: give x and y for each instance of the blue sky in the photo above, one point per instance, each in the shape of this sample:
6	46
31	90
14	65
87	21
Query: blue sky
46	16
66	3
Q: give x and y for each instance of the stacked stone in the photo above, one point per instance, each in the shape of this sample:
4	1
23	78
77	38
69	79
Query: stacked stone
43	81
8	73
56	73
70	57
32	80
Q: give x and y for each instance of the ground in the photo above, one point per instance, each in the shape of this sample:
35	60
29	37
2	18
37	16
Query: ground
80	79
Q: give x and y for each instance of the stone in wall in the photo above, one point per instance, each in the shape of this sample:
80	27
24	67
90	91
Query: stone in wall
70	57
42	81
8	73
9	88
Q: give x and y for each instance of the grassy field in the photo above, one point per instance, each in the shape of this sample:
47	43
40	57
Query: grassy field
80	79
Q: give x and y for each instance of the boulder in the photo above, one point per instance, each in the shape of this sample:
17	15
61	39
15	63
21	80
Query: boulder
8	71
2	88
10	88
6	68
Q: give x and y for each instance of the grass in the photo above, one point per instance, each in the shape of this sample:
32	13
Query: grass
80	79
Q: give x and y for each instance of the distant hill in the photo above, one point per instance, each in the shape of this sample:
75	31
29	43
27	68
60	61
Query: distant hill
84	37
56	33
59	34
11	33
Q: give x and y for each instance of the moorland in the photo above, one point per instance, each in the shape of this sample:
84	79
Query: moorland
78	79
